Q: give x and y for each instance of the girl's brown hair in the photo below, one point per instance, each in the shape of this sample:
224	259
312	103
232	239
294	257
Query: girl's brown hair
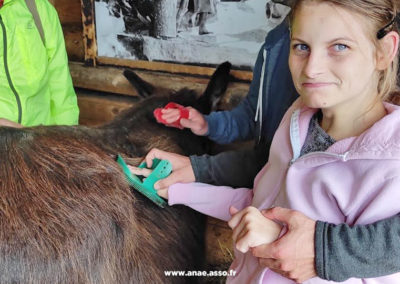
381	16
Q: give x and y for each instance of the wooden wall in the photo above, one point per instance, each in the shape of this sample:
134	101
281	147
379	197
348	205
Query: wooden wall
103	92
69	12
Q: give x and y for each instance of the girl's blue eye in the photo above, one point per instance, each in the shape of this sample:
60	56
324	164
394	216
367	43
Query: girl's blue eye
340	47
301	47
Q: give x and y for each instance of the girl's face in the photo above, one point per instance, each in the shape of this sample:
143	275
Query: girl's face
332	60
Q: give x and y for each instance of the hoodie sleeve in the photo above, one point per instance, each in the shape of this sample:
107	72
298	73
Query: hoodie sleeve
208	199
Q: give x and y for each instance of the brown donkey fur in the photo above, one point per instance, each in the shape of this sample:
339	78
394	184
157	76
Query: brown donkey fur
67	214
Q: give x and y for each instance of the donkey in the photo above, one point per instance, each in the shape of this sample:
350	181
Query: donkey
67	214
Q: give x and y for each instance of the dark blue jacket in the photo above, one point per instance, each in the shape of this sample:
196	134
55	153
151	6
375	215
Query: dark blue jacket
275	88
271	91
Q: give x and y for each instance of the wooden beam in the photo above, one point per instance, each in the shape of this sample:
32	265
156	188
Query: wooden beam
171	67
104	79
70	15
111	80
69	11
97	109
89	32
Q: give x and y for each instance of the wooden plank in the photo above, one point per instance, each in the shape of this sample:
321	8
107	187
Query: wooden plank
97	109
171	67
74	42
89	32
69	11
105	79
110	79
70	15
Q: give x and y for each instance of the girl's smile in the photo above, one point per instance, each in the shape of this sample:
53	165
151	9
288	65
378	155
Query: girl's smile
315	85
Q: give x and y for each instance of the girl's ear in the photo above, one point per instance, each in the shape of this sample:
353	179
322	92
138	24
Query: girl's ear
389	45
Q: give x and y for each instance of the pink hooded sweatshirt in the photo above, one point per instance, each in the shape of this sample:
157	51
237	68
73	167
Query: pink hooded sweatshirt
355	181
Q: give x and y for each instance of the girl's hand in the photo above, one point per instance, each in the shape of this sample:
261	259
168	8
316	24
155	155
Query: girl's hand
182	170
251	228
146	172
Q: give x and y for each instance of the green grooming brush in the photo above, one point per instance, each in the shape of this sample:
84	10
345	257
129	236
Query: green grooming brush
161	169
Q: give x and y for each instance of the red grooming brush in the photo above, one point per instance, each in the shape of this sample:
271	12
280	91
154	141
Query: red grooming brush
184	113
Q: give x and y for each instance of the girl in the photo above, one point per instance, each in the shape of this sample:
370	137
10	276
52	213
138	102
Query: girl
336	155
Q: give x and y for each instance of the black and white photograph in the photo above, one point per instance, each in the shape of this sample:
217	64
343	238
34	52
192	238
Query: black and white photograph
198	32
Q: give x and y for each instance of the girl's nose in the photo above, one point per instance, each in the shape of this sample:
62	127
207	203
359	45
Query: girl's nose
314	65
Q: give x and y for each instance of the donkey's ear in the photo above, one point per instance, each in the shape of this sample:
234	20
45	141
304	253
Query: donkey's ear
215	88
144	89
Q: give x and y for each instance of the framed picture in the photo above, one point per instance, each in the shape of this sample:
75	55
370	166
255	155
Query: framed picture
181	36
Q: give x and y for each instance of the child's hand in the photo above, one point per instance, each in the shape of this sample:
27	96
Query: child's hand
170	115
196	122
146	172
251	228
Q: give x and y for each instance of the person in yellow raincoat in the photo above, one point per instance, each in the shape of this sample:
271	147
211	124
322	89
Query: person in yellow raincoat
35	83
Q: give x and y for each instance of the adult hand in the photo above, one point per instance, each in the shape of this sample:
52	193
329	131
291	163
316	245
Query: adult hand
196	121
292	255
251	228
182	170
9	123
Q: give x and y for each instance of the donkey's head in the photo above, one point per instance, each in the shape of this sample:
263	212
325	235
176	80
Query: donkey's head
205	103
141	128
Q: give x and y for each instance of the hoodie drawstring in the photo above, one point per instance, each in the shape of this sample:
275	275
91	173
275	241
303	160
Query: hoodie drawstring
259	111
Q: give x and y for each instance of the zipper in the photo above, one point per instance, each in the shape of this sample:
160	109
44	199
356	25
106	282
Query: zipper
17	98
342	157
294	133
